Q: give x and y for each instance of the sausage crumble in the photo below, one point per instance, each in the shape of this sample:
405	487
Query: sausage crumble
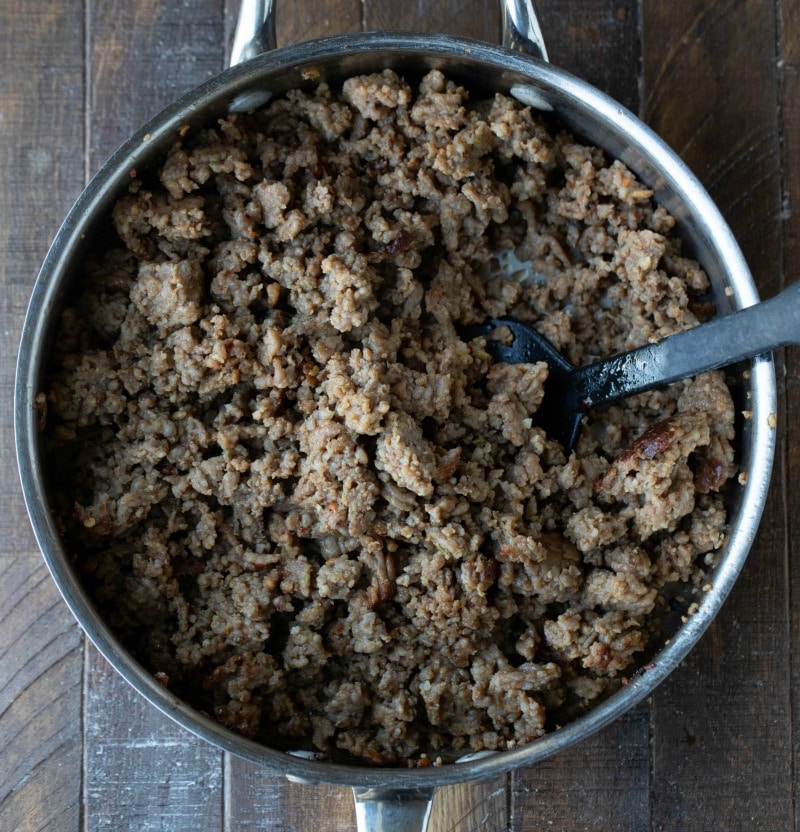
309	506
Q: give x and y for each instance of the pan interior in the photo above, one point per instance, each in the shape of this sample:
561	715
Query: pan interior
484	70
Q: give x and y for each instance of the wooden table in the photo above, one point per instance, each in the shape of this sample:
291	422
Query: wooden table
714	747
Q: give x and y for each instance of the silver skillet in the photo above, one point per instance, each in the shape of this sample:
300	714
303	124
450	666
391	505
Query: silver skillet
395	798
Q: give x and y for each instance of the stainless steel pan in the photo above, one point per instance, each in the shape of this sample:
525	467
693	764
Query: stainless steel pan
399	799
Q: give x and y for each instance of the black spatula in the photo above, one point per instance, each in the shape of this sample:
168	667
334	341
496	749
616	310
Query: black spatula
570	392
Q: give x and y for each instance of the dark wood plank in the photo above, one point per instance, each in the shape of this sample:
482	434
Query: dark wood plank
142	56
300	21
41	158
789	67
257	798
601	784
598	40
40	696
711	89
471	807
41	166
141	769
464	18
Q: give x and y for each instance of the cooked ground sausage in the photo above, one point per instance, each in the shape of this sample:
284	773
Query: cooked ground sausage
302	499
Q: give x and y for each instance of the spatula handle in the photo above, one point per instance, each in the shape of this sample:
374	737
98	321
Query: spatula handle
722	341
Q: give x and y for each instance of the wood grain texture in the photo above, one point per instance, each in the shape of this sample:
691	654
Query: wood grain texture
789	108
40	699
41	167
789	45
141	766
462	18
301	21
710	88
41	152
789	73
600	785
257	798
142	56
471	807
597	40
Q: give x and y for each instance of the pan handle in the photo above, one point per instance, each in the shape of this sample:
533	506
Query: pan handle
521	29
255	29
392	810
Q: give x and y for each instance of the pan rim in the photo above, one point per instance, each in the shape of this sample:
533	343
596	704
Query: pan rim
160	130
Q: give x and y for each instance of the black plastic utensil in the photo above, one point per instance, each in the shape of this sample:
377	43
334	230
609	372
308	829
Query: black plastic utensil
571	392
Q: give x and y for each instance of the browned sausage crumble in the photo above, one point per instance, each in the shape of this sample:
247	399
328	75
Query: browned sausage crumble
302	500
